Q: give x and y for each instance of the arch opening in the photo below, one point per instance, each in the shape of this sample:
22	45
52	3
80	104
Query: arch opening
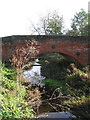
57	55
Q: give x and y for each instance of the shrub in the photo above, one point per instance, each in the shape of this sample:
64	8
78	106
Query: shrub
12	105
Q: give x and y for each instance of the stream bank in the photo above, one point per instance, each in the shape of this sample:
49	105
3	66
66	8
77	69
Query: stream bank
73	83
32	97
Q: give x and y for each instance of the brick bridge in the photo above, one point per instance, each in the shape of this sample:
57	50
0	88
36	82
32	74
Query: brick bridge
76	47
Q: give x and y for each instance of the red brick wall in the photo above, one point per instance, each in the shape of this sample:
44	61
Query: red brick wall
63	44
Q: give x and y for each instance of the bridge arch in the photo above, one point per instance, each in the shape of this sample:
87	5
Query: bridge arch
77	47
68	57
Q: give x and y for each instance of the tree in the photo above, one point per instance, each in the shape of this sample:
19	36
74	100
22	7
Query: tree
52	24
79	25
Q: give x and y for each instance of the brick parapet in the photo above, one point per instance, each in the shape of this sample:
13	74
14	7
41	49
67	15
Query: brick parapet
69	45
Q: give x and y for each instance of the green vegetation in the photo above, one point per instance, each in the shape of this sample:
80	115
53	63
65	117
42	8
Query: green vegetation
72	80
78	80
79	25
17	97
12	106
53	24
52	83
54	66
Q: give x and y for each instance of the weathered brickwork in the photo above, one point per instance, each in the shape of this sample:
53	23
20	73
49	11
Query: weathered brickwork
76	47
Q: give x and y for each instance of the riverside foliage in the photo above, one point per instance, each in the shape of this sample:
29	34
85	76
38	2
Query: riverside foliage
10	106
15	101
73	81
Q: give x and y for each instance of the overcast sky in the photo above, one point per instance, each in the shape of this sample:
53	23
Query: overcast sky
16	16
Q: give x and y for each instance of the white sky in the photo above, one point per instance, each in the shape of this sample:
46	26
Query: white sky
16	16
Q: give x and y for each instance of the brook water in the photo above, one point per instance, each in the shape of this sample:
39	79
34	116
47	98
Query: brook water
34	76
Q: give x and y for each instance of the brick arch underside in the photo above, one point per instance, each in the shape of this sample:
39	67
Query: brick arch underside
68	56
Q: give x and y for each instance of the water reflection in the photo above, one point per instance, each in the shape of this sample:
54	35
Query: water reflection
34	75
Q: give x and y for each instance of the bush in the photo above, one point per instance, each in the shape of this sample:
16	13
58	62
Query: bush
78	82
12	101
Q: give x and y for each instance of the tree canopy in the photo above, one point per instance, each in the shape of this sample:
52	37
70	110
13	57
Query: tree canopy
52	24
79	24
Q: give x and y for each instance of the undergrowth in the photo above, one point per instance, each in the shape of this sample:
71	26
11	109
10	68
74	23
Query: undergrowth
12	105
73	81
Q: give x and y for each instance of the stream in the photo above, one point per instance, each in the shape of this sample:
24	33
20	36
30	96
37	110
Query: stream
34	76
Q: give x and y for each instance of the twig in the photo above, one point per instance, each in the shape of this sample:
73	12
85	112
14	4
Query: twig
55	98
53	106
55	91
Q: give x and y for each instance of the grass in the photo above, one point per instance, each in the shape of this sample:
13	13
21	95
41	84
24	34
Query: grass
56	84
52	83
